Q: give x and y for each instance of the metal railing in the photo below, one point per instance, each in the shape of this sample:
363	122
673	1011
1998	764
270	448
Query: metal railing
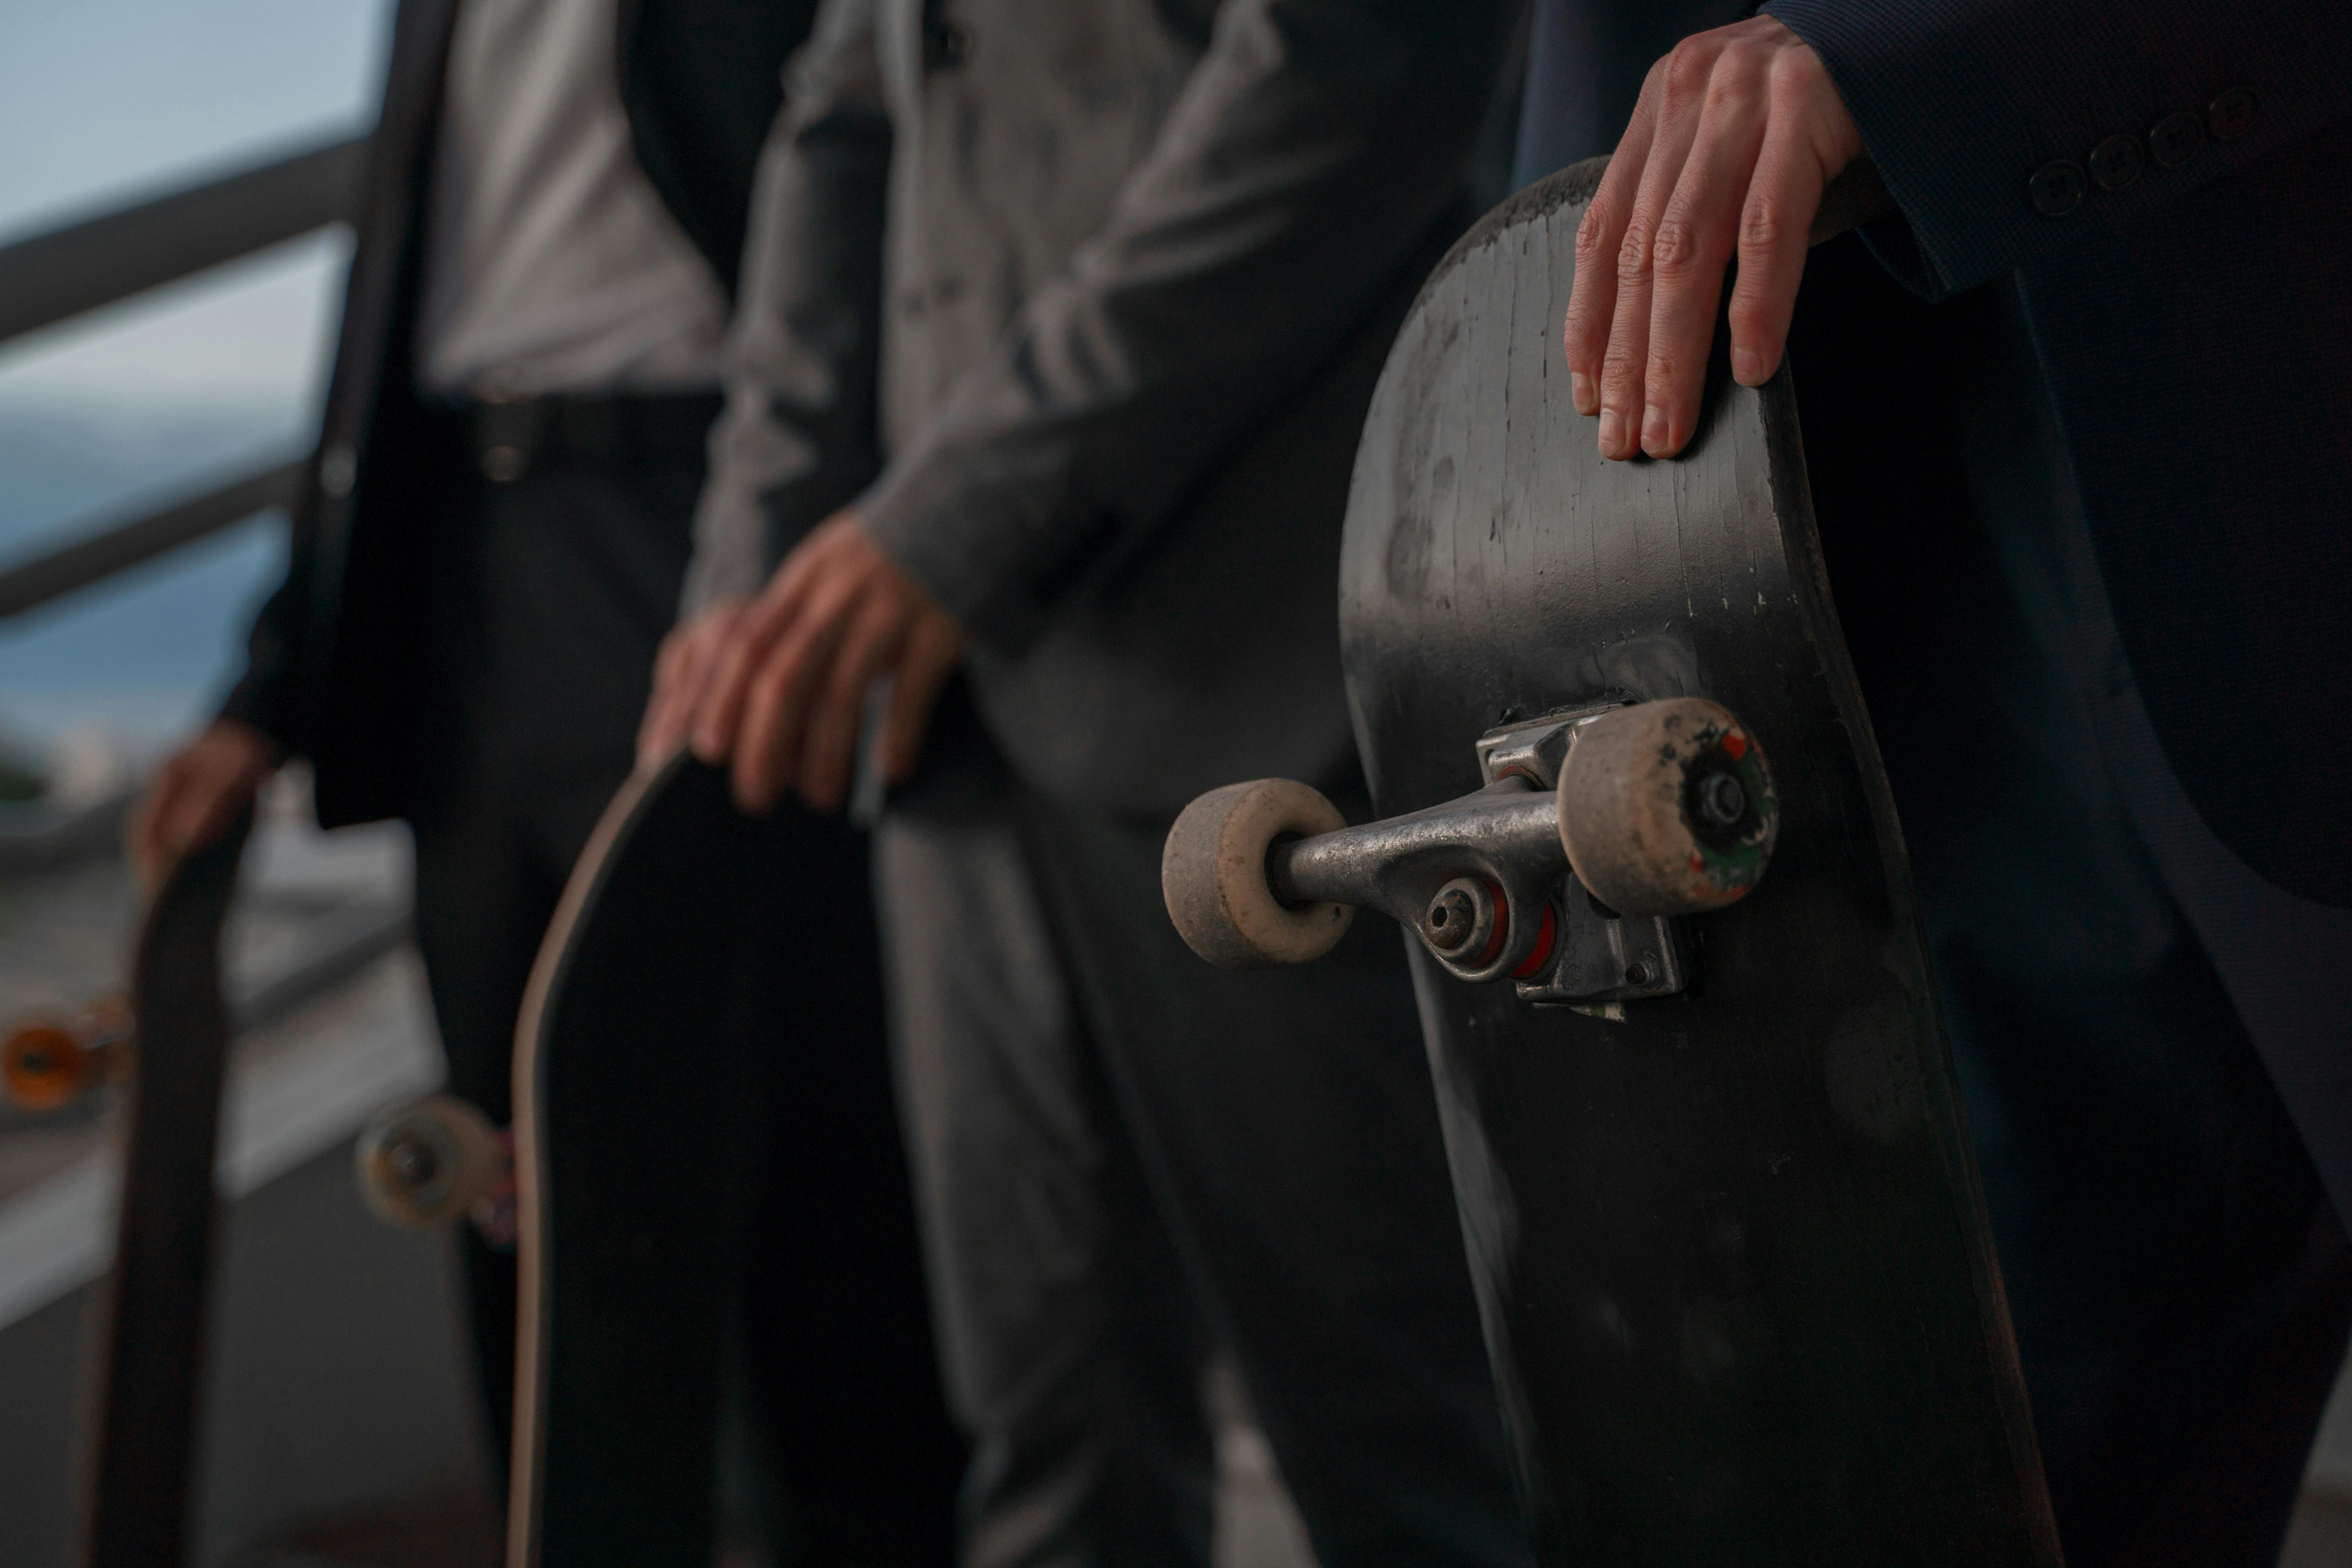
54	277
100	556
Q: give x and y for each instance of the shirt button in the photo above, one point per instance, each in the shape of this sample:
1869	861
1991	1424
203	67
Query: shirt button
2231	115
2175	140
2114	163
2057	188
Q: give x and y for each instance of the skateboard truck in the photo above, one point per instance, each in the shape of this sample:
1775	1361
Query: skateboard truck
1595	829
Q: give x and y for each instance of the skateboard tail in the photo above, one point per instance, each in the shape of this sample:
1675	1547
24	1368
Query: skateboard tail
137	1498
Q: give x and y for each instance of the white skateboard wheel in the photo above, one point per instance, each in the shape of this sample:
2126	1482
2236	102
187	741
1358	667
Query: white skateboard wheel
426	1164
1214	874
1666	808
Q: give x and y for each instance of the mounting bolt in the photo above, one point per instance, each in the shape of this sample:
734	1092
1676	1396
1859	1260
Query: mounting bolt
1452	916
1638	973
1721	800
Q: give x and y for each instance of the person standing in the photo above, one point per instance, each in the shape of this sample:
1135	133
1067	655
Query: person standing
1058	327
490	547
2078	420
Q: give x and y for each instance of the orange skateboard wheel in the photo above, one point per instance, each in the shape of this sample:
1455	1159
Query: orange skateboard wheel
45	1066
51	1062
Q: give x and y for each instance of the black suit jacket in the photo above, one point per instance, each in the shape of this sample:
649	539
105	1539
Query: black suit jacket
2191	326
334	671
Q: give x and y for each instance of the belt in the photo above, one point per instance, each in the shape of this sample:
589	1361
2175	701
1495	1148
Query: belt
637	431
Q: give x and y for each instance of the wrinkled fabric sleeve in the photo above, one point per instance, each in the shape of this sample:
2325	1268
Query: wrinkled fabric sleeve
1961	101
1308	154
798	438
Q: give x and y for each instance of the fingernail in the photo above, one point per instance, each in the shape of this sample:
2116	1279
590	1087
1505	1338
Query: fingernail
1653	431
1747	366
1612	432
1579	392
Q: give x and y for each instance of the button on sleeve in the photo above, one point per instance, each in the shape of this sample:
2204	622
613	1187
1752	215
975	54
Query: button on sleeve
2116	163
2057	188
2174	139
2231	115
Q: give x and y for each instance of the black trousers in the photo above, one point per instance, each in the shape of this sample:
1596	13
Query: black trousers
553	590
2179	1282
1125	1157
557	586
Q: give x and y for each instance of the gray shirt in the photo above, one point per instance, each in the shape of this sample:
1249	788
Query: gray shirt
1081	302
552	264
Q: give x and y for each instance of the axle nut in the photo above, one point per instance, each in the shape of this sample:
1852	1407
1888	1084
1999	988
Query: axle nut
1721	801
412	1162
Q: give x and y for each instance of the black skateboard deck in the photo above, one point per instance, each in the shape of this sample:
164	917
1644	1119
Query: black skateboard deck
145	1410
709	981
1716	1191
1738	1278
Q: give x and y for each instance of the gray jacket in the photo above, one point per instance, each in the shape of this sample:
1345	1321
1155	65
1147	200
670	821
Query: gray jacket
1081	302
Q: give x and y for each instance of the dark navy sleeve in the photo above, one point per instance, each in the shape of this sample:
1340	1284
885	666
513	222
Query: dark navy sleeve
2012	132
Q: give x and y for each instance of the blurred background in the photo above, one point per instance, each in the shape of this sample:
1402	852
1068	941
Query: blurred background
141	440
103	104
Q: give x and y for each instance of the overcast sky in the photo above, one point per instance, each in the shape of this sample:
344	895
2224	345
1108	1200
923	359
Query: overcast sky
102	97
104	101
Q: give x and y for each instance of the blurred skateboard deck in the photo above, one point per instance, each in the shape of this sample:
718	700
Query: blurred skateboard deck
156	1296
709	987
1721	1207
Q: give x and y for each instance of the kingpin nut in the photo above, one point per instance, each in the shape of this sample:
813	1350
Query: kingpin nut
1452	916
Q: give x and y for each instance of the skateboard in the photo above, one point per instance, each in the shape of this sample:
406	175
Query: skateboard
1716	1193
709	989
154	1327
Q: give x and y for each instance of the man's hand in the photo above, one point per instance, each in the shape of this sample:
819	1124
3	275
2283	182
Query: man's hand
682	674
192	796
778	686
1736	133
